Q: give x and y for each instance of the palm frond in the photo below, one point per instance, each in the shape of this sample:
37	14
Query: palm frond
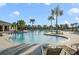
56	11
50	18
61	12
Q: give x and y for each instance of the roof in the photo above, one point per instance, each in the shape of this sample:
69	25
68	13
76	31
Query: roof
4	23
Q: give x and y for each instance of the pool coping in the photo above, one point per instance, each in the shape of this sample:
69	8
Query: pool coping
59	35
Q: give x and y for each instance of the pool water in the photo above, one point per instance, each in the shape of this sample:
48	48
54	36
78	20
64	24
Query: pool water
35	37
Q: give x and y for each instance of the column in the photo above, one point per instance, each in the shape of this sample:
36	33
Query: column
3	28
9	27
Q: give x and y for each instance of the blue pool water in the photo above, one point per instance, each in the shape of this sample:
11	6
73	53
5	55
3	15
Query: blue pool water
32	37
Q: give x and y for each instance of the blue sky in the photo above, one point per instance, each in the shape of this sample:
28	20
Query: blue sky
40	12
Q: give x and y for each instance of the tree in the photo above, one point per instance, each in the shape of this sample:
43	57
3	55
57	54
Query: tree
32	21
51	18
45	27
21	25
39	27
76	26
72	25
66	26
28	27
61	26
57	12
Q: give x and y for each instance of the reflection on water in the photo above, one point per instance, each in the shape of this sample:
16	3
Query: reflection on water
31	36
35	37
18	37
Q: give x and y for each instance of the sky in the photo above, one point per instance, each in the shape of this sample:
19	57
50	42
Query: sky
12	12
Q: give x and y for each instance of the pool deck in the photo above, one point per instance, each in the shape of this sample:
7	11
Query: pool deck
4	42
72	38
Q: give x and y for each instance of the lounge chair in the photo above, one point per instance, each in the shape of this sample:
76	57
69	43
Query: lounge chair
48	50
53	51
76	45
77	48
76	53
67	50
60	50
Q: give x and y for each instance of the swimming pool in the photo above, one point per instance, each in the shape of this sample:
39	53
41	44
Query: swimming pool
35	37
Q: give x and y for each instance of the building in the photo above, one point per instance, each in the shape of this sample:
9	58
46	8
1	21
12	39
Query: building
5	26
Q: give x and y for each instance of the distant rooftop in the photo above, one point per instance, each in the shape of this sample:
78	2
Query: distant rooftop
4	23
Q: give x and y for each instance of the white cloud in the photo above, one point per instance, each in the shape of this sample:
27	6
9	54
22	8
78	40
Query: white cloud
66	22
47	3
77	19
73	11
15	13
2	4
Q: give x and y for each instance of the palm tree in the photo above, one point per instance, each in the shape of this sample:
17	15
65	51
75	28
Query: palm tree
66	26
76	26
61	26
72	26
45	27
51	18
32	21
39	27
57	12
21	24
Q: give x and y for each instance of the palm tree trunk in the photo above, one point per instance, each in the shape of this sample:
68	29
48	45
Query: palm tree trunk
76	27
56	25
32	25
51	26
72	28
